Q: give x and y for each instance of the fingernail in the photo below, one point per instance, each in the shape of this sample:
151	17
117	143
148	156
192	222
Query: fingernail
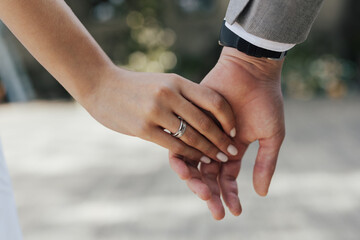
233	132
205	159
222	157
232	150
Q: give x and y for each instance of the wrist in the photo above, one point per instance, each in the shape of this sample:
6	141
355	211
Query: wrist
261	68
94	85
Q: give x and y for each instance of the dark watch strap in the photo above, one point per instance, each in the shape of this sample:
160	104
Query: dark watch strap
230	39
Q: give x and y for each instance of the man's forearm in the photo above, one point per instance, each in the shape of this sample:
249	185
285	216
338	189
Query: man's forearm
58	40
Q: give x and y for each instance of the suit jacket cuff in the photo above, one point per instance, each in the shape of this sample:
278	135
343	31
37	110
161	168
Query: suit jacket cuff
285	21
258	41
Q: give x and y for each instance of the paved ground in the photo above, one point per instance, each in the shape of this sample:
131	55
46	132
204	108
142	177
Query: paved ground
76	180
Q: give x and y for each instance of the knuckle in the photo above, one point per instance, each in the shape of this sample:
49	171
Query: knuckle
205	124
175	80
210	150
223	141
218	102
193	157
178	148
265	166
143	130
163	92
174	76
192	139
209	174
230	178
152	111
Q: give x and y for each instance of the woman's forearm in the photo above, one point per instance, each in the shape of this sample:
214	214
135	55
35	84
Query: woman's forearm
57	39
138	104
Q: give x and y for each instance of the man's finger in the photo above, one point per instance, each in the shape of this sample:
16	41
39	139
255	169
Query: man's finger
210	174
266	163
189	172
229	189
195	183
179	166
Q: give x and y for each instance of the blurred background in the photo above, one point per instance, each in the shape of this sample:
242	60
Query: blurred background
181	36
74	179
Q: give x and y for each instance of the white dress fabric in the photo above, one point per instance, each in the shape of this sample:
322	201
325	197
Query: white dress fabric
9	224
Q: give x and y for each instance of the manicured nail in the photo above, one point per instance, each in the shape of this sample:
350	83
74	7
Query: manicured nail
232	150
233	132
222	157
205	159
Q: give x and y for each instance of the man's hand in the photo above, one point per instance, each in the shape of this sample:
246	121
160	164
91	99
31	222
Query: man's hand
252	87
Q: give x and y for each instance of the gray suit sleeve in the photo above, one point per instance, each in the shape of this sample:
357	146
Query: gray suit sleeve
285	21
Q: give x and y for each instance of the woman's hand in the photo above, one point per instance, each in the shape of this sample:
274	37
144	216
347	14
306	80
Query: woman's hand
144	104
137	104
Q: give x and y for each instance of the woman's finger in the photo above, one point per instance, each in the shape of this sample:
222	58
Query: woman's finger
205	126
213	102
194	139
175	145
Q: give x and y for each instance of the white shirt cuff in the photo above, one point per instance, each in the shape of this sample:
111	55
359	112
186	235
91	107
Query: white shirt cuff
257	41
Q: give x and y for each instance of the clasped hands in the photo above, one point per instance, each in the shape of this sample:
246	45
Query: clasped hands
242	93
252	88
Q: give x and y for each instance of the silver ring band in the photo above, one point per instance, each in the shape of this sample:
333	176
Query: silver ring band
181	130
